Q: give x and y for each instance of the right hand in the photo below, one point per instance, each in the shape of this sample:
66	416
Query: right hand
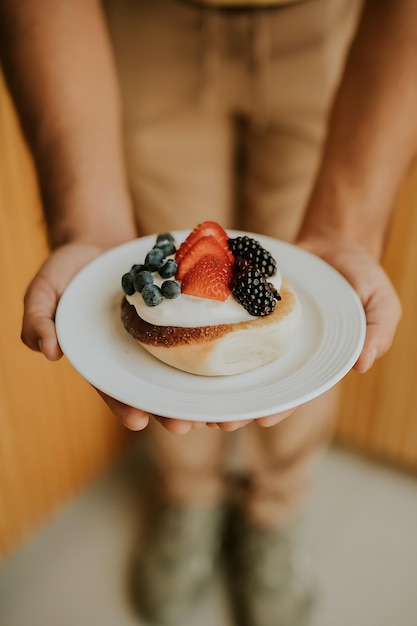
44	292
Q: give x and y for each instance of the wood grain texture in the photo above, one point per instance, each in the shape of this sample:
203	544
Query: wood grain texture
55	433
379	409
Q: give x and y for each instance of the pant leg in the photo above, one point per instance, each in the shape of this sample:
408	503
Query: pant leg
179	160
179	155
281	461
181	172
283	144
300	51
189	469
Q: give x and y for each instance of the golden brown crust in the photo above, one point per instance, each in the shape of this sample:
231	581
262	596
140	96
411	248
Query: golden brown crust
172	336
166	336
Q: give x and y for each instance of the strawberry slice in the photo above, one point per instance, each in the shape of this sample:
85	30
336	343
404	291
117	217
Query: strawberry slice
202	247
205	229
208	278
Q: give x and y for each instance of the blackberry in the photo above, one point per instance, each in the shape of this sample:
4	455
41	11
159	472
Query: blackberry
251	250
251	289
274	291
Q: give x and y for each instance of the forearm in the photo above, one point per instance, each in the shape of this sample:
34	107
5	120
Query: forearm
372	135
59	67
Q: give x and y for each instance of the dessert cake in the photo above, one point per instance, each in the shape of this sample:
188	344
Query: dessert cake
211	305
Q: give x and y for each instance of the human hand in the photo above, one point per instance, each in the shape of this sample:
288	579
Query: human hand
42	296
264	422
378	296
39	333
135	419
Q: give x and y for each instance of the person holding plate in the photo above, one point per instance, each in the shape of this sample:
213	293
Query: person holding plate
292	119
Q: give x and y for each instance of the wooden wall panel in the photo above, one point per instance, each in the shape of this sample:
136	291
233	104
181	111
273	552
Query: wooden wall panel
55	433
379	411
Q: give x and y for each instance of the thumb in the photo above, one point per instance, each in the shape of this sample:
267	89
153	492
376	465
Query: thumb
42	296
38	326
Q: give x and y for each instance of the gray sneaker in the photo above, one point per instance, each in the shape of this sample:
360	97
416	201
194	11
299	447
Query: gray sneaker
177	562
271	579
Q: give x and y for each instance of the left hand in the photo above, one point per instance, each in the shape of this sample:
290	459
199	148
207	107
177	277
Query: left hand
378	296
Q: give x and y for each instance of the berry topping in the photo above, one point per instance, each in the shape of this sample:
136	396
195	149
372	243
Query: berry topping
127	284
208	278
141	279
251	289
152	295
168	269
167	248
138	267
251	250
274	291
154	258
164	238
208	264
205	229
205	246
170	289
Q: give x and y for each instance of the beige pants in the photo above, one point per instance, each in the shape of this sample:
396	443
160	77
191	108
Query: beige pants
225	114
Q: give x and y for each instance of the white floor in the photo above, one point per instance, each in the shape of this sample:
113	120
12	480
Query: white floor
363	530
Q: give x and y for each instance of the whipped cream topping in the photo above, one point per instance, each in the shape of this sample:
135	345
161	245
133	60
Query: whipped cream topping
191	311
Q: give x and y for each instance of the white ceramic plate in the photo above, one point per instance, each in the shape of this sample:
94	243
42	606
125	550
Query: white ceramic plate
95	342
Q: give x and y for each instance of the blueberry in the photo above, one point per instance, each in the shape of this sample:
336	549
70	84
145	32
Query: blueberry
137	268
152	295
168	269
154	259
167	248
165	238
170	289
141	279
127	284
